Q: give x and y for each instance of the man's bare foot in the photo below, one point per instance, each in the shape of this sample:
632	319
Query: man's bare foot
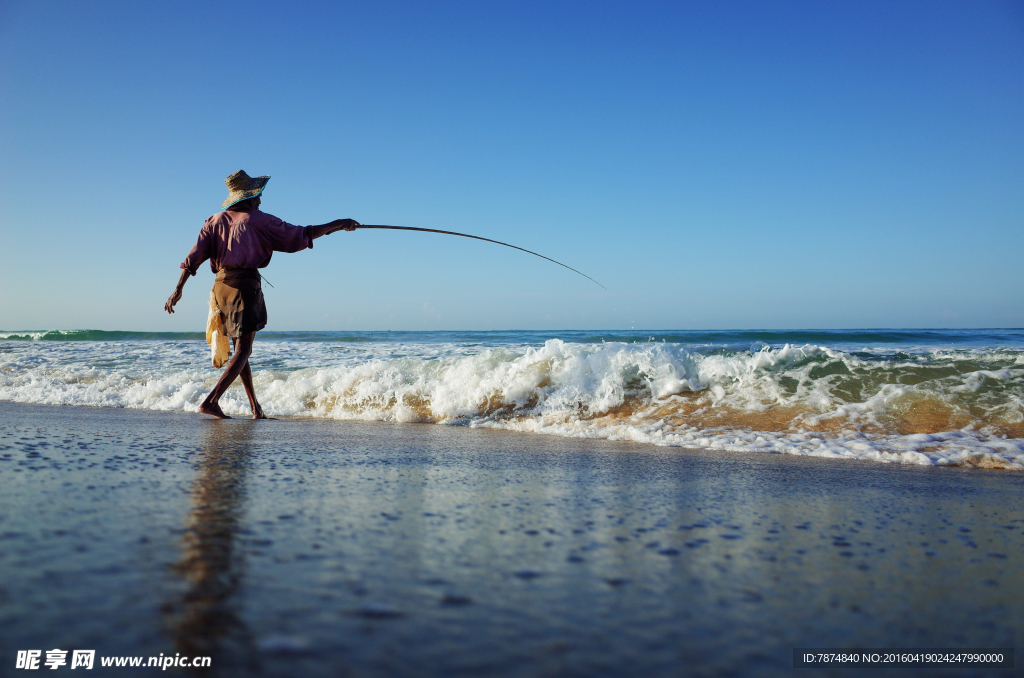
257	413
213	409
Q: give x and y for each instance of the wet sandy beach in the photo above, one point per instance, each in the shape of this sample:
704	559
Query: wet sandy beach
323	548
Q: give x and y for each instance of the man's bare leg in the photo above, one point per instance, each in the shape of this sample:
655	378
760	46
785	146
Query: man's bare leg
246	375
239	362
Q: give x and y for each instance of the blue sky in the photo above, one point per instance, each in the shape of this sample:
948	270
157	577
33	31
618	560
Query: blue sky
714	164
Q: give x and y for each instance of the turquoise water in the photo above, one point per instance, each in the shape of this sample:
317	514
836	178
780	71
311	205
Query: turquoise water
840	339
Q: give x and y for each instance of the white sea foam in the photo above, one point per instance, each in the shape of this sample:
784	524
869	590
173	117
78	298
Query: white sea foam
961	407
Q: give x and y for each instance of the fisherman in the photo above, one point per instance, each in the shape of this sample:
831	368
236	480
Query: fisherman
238	241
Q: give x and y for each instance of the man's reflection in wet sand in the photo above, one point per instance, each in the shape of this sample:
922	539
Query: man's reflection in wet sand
205	619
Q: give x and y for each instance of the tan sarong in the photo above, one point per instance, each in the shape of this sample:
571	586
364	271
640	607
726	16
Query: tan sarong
239	298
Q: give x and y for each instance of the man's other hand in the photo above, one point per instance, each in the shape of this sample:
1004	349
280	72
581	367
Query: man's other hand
172	300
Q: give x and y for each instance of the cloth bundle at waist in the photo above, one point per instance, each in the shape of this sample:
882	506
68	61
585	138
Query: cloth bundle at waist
220	344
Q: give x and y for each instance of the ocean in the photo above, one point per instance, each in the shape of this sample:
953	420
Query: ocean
934	397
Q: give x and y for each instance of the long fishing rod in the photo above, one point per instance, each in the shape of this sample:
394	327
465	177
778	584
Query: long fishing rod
476	237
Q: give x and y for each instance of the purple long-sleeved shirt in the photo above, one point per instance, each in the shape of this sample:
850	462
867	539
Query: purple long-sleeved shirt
245	239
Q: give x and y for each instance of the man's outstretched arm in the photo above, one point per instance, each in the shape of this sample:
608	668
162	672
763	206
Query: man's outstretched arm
176	297
336	225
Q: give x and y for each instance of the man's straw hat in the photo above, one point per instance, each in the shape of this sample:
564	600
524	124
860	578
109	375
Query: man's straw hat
242	187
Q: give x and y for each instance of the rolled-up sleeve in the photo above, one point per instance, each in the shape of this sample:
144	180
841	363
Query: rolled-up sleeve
201	251
281	236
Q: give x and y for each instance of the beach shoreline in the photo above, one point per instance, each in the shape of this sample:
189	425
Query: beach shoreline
321	547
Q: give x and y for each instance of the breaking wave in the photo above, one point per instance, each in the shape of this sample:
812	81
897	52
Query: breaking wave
961	406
